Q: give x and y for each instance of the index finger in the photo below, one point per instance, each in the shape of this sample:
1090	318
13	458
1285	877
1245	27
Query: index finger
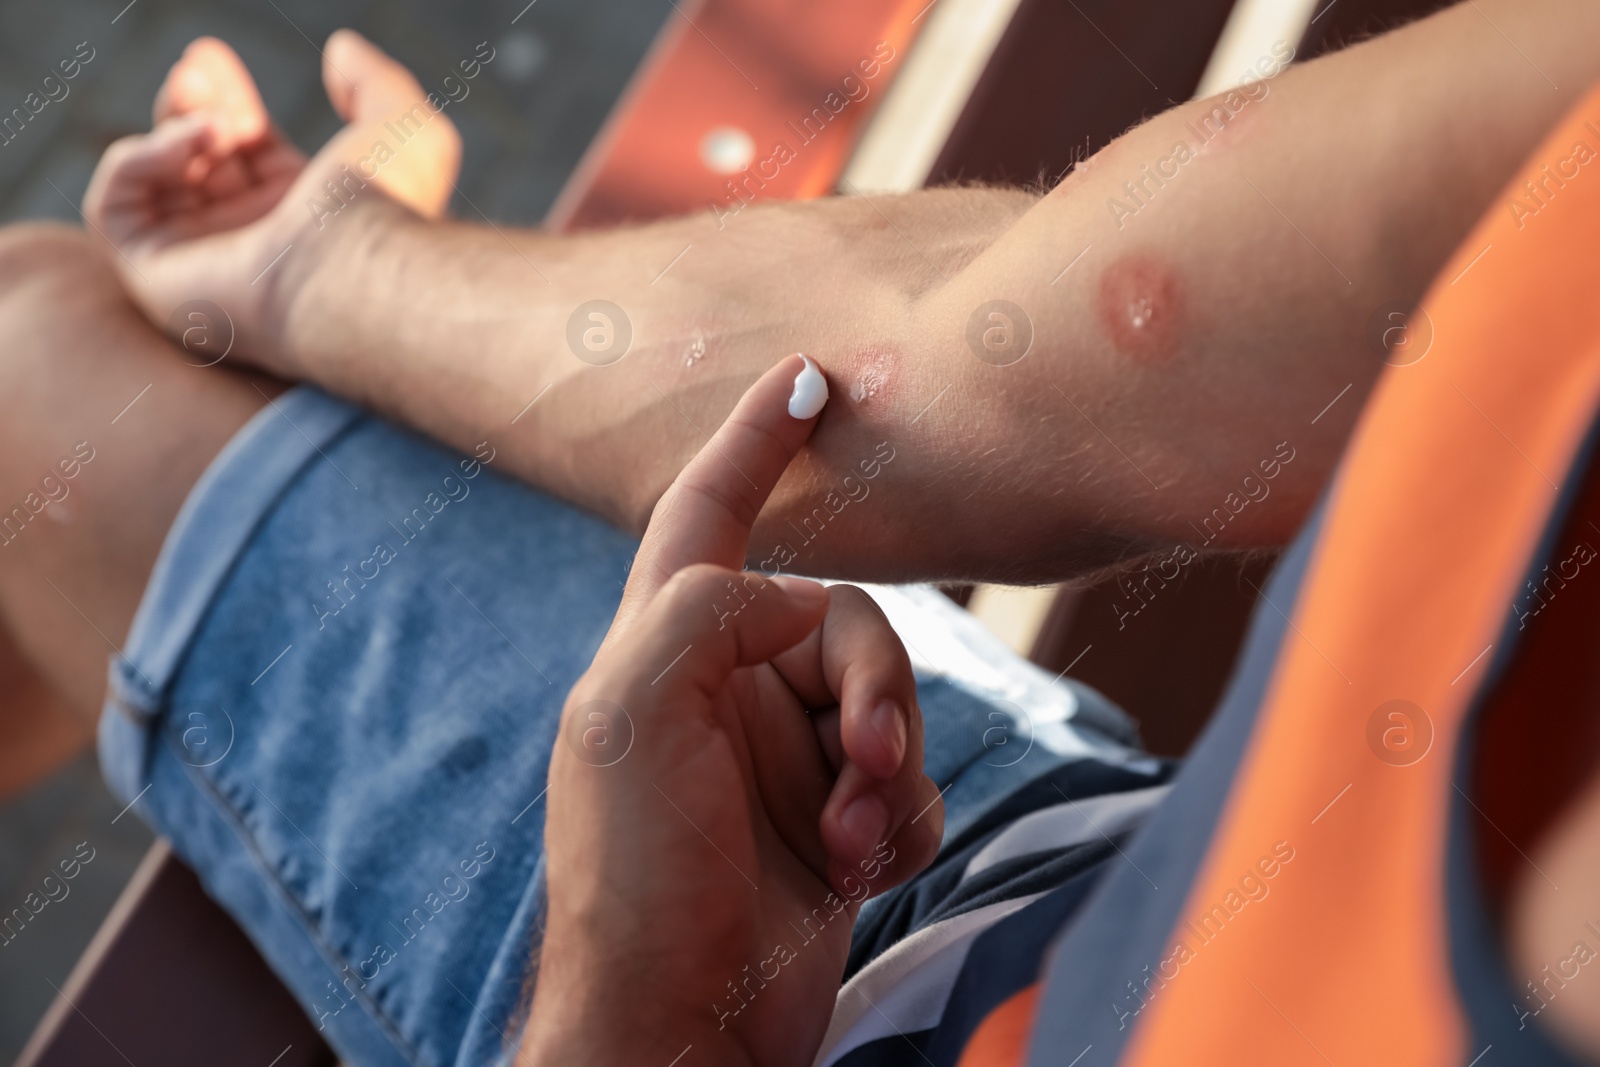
706	515
211	78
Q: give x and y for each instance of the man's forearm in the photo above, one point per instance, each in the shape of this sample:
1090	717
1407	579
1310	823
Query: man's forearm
1193	313
456	329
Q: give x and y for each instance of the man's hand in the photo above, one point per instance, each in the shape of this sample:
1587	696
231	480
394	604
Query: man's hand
737	771
204	206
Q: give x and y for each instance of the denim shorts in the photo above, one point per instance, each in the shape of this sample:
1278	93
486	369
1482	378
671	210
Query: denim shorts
340	691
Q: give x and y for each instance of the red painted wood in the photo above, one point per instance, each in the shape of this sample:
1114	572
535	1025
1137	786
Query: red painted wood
798	77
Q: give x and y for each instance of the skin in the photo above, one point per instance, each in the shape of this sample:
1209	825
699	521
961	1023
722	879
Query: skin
39	733
803	831
1142	308
454	328
1267	265
77	353
1546	924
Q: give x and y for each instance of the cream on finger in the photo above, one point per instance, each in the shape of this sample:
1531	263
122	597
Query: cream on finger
810	390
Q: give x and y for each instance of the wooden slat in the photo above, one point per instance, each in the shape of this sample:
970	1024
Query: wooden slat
900	145
1254	28
765	73
1066	78
169	979
1165	658
1338	23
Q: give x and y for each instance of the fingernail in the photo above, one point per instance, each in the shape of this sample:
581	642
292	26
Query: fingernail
865	820
810	391
889	722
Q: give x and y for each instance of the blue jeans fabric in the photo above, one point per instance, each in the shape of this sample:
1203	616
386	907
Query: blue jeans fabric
340	692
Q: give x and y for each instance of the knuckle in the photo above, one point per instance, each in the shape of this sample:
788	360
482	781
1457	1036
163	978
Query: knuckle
739	506
697	581
859	602
118	152
853	597
859	607
757	434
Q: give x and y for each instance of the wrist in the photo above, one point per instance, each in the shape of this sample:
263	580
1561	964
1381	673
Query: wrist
310	299
619	1024
624	1042
599	1000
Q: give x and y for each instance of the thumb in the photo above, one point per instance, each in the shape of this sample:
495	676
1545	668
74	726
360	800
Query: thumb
363	81
687	640
396	138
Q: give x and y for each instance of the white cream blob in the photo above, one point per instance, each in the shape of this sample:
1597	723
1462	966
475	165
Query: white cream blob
810	391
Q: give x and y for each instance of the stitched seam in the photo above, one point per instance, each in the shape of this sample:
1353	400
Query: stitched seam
330	955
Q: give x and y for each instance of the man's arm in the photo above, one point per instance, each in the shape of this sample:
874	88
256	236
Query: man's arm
1184	341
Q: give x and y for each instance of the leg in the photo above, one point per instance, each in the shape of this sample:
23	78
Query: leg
351	749
75	353
38	732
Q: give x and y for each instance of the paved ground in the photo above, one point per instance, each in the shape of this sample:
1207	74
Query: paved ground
67	817
555	74
558	67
